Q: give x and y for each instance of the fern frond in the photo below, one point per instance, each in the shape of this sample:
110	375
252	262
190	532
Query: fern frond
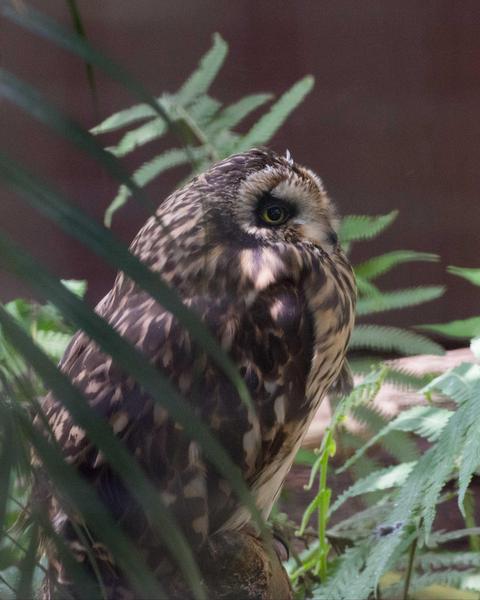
461	384
200	113
204	110
472	275
379	265
443	584
442	579
406	380
420	493
366	288
426	421
266	127
361	365
53	343
363	227
148	171
396	442
443	537
234	114
392	339
76	286
444	456
460	329
469	461
339	583
125	117
383	479
200	80
152	130
397	299
447	560
363	392
363	522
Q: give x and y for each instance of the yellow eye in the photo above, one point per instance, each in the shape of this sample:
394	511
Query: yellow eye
274	214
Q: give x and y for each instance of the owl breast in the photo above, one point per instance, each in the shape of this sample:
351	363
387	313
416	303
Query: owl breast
320	319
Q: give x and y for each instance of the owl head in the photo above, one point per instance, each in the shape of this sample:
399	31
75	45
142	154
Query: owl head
248	221
260	197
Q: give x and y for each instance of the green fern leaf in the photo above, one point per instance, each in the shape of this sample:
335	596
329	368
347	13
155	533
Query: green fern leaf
232	115
76	286
444	458
125	117
383	479
427	421
461	329
447	560
407	381
392	339
268	125
204	110
443	537
148	171
366	288
398	299
397	443
399	377
452	579
445	582
472	275
153	129
363	227
53	343
461	384
339	583
199	82
379	265
360	524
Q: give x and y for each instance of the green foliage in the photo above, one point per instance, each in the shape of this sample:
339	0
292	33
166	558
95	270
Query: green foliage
33	336
211	130
462	328
413	493
208	126
403	537
372	300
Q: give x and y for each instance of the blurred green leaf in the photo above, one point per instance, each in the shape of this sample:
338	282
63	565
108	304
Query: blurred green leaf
472	275
27	566
462	329
364	227
100	433
396	299
379	265
266	127
19	262
392	339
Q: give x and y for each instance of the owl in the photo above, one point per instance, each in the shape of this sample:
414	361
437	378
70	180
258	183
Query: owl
251	247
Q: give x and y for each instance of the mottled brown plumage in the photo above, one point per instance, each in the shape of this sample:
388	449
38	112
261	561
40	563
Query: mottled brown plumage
280	299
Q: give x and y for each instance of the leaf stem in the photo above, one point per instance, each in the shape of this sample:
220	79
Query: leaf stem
408	575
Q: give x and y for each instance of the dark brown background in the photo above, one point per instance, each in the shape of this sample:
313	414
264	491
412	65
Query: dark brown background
393	121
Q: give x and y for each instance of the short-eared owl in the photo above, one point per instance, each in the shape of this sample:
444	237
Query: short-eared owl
250	246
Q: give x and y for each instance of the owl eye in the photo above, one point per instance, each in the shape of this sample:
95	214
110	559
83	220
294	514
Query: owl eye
274	213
